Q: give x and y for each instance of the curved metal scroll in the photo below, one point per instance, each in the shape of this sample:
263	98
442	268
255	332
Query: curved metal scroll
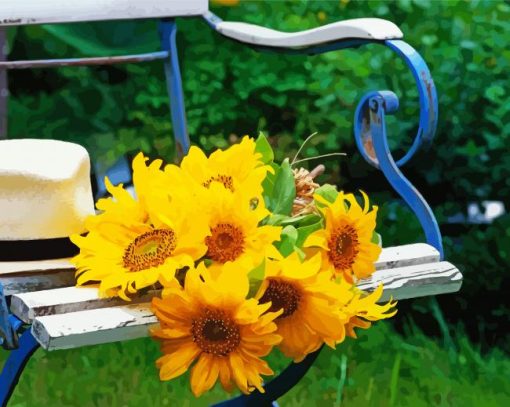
21	348
15	364
428	107
370	125
8	325
371	139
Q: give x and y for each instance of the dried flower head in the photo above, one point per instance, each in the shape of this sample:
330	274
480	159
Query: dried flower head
305	188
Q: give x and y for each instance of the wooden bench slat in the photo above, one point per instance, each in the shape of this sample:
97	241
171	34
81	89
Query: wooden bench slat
415	281
120	323
92	327
36	266
27	306
27	276
406	255
60	11
60	273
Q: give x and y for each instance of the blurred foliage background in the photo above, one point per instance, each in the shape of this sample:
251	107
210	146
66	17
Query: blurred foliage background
231	90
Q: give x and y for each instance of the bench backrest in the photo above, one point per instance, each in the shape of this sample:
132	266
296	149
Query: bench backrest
23	12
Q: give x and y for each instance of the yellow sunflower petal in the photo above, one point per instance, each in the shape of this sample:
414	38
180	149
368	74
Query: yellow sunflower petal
177	363
204	374
317	239
238	371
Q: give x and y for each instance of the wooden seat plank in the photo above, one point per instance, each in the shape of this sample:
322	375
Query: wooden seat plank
406	255
90	327
27	306
29	276
414	281
61	11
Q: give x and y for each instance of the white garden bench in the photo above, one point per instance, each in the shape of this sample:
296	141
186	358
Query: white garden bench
64	316
56	315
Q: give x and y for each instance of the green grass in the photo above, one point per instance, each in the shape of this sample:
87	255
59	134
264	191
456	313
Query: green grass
381	368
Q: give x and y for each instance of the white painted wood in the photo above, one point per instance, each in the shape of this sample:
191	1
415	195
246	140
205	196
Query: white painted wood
21	12
415	281
28	305
360	28
27	276
93	327
406	255
90	327
37	266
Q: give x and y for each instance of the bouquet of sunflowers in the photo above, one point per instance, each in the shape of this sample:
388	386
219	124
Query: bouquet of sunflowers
249	254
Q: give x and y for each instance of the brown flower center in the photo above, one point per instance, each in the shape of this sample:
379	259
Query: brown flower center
226	243
343	247
215	332
282	294
226	180
149	250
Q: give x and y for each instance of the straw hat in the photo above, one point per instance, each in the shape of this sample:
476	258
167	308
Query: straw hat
45	196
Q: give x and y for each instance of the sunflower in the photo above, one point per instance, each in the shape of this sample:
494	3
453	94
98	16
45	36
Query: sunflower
346	241
362	308
211	322
234	231
237	169
129	247
150	182
310	302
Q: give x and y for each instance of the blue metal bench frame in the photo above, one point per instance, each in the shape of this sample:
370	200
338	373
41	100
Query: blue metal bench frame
369	130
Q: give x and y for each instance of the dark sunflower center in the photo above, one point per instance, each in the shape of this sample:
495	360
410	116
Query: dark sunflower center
226	243
282	294
343	247
226	180
149	250
215	332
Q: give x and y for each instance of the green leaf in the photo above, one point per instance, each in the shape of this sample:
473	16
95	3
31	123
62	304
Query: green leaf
377	239
328	192
284	190
305	231
268	186
263	147
283	220
494	93
276	219
288	240
256	276
309	219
